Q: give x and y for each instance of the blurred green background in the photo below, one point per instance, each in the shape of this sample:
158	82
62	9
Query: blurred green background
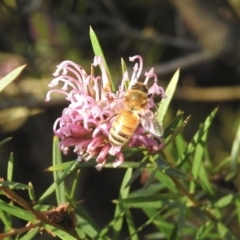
43	33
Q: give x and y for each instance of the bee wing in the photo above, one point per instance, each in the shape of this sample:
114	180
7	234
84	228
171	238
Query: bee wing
153	126
117	104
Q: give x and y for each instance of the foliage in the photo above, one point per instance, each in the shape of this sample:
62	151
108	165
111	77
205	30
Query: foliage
180	197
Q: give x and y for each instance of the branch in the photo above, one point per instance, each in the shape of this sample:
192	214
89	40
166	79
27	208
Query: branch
182	62
215	25
210	94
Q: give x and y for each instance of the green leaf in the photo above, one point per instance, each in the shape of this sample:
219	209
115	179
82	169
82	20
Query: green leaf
61	166
182	214
164	167
10	77
237	204
75	184
98	52
92	163
152	198
52	188
166	181
174	232
86	226
14	185
154	188
57	159
161	224
205	180
197	138
131	225
176	131
5	219
16	211
4	141
221	166
170	128
235	153
30	234
108	227
148	222
147	204
226	200
198	156
124	191
198	168
204	231
138	171
150	178
86	223
225	233
31	192
10	168
124	70
164	104
60	233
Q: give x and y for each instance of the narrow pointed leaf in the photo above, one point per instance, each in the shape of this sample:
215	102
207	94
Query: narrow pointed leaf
198	156
10	77
10	168
226	200
148	222
161	224
204	231
52	188
61	166
225	232
138	171
237	203
164	167
124	70
197	138
31	192
74	185
17	212
30	234
109	226
6	221
124	191
60	233
86	223
14	185
150	178
4	141
235	153
57	159
174	232
164	104
170	128
98	52
152	198
177	131
131	225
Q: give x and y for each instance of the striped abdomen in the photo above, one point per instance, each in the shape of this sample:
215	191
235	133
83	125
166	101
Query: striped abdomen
123	127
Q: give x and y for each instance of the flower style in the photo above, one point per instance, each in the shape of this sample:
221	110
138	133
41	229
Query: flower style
86	122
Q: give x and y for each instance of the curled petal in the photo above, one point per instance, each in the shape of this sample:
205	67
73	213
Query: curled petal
114	150
119	160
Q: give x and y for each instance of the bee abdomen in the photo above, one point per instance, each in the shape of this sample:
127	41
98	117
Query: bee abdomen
117	138
123	128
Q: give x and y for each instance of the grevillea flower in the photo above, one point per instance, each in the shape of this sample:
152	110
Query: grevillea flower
86	122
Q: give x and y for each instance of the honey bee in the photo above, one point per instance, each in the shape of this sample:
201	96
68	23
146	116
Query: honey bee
131	115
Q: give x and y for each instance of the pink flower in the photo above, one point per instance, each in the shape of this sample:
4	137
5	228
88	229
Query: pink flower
85	124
